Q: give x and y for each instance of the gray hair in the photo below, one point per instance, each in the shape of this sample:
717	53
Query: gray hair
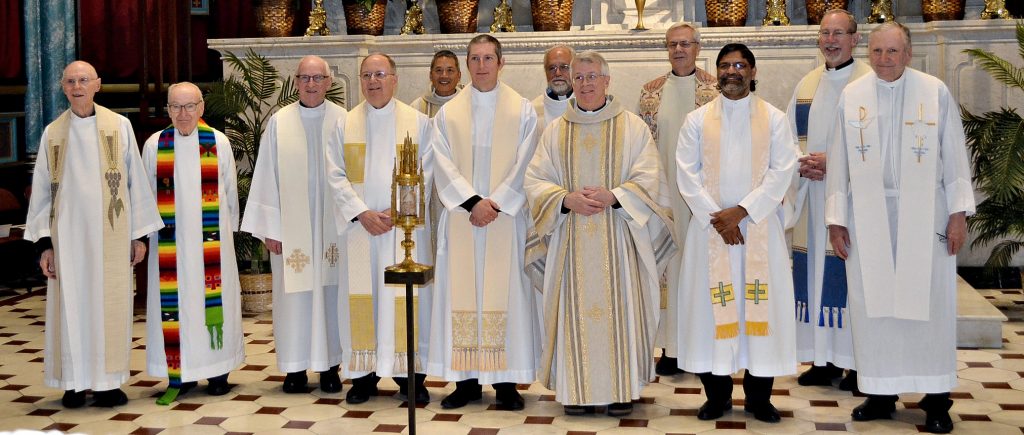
848	14
891	25
572	53
594	58
683	25
171	88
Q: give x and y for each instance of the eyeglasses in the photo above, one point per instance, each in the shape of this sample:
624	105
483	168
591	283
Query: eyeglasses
682	44
555	68
306	78
83	81
379	75
190	107
592	77
740	66
837	33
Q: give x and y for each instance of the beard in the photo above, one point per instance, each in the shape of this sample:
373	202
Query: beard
560	87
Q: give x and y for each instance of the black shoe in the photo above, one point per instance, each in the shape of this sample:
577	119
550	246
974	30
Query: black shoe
873	409
330	382
73	399
463	394
819	375
938	422
109	398
577	410
218	385
849	383
765	412
186	387
295	382
508	399
422	395
620	409
667	366
711	411
362	389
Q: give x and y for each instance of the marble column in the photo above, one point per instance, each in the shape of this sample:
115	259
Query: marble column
49	47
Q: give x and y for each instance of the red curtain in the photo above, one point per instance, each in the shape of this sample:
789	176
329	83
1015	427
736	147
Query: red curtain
11	41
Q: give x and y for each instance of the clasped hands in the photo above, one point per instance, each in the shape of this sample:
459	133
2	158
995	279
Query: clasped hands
727	223
589	201
812	167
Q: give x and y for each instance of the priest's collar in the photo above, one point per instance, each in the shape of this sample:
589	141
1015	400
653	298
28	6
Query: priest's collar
609	110
728	102
552	95
183	134
311	112
685	75
840	66
387	108
92	114
895	83
445	97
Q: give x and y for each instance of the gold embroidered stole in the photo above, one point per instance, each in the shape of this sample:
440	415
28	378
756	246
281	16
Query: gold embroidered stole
478	339
755	289
899	286
117	270
298	247
362	316
650	97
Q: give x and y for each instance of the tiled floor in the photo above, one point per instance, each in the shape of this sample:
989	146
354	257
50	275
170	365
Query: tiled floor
989	400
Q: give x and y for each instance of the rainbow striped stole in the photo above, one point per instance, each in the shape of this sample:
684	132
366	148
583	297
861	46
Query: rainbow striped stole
167	250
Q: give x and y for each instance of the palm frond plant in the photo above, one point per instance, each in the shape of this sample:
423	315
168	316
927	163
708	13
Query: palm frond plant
996	143
245	101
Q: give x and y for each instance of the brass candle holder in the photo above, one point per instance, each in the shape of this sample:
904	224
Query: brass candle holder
413	19
318	20
503	18
881	11
995	9
407	202
775	13
640	14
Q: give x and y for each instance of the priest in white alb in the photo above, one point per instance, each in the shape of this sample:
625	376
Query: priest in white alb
736	159
551	104
599	201
898	192
193	302
664	104
444	83
90	205
484	327
819	276
360	162
290	208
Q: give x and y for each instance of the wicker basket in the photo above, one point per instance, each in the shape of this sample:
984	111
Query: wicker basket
275	18
724	13
257	292
359	22
457	16
933	10
816	9
551	15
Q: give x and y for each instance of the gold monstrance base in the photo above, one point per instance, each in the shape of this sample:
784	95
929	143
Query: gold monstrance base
395	274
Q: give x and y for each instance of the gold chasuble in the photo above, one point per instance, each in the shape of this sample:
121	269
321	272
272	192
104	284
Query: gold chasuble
362	317
755	289
117	270
601	282
478	342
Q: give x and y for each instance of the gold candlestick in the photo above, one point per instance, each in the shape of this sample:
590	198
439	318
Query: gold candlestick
881	11
775	13
640	14
407	202
413	19
318	20
503	18
995	9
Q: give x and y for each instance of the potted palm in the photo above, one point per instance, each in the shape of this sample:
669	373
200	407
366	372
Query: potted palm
245	101
996	143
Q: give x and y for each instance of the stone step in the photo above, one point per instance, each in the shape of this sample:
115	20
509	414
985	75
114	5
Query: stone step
979	324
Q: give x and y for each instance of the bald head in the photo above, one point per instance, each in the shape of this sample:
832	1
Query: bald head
313	79
80	83
316	63
185	105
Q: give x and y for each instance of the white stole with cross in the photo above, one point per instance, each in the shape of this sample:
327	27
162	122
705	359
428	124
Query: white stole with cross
895	284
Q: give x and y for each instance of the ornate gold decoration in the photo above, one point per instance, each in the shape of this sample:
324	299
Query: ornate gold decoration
413	19
881	11
640	14
775	13
297	261
503	18
407	201
318	20
995	9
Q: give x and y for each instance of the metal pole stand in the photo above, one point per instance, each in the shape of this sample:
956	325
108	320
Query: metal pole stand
411	278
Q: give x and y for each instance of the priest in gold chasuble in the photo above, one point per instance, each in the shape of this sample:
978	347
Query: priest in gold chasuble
598	198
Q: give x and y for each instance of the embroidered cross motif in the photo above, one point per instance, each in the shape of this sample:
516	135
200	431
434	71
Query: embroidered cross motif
861	125
588	141
596	313
213	282
332	255
723	295
919	127
297	261
755	290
